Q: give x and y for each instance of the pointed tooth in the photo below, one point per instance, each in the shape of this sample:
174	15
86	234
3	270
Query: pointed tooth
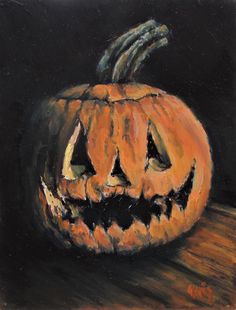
103	239
134	238
171	227
81	235
177	210
163	219
157	230
140	229
153	229
174	225
178	216
115	232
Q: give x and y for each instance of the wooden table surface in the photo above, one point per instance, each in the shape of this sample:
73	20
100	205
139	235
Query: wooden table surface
197	270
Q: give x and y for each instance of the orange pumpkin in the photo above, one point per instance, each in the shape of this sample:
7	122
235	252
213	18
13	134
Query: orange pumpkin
126	165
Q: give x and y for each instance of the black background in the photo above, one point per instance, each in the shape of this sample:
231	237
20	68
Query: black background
47	45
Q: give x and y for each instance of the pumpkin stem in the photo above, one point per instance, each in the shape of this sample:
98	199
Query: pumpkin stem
125	55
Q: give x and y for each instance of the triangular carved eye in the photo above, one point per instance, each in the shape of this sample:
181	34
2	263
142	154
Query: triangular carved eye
76	160
80	161
157	157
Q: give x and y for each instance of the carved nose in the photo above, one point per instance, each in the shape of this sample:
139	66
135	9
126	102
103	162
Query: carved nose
117	176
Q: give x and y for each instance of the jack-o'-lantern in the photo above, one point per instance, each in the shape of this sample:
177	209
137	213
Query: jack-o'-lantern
125	165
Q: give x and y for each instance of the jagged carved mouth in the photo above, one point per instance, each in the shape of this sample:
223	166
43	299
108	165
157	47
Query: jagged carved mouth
123	209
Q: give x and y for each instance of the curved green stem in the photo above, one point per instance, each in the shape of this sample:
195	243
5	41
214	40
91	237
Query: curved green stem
125	55
117	47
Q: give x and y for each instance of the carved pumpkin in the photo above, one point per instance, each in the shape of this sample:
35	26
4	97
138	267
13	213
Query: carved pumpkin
125	165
